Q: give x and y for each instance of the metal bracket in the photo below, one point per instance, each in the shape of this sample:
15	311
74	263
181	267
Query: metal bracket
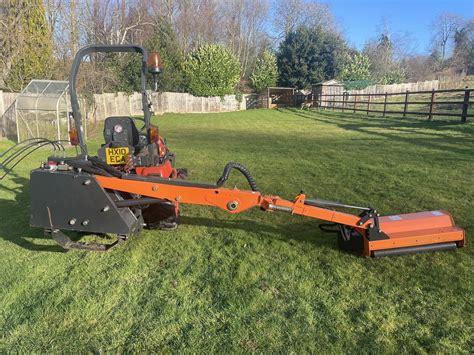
64	241
373	232
367	215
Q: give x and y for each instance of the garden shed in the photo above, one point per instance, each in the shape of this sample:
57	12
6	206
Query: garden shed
329	87
273	97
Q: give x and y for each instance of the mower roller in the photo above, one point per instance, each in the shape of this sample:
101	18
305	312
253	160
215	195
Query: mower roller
132	184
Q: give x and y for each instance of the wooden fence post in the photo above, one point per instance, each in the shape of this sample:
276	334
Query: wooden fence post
129	98
343	101
333	101
355	102
406	104
465	105
368	104
104	105
430	117
385	105
3	119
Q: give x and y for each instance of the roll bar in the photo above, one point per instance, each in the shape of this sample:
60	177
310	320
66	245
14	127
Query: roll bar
84	51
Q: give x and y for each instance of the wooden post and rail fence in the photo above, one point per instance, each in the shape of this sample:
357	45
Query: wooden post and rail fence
442	103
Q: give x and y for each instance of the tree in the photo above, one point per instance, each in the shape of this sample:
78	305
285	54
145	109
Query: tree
266	71
212	70
418	67
163	41
290	14
444	28
309	55
380	52
26	52
242	30
396	75
358	68
463	54
384	54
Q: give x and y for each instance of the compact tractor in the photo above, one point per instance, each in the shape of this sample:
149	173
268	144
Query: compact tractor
132	183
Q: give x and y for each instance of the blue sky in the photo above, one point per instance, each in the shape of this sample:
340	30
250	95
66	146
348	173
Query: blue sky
359	20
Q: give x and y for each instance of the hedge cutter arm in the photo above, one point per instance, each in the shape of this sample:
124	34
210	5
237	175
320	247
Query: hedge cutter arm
133	183
230	200
377	236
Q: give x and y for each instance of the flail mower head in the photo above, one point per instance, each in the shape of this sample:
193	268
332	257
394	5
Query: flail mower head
133	183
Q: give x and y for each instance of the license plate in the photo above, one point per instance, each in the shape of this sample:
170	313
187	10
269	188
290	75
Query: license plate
116	156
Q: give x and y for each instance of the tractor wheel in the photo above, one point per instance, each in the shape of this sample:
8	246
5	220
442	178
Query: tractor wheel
161	217
182	173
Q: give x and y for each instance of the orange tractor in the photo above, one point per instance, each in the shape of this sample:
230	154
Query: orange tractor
133	183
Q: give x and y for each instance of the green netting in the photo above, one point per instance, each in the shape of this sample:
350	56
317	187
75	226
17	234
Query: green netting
357	84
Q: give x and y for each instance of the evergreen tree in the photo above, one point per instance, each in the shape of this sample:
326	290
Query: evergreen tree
164	42
27	53
309	55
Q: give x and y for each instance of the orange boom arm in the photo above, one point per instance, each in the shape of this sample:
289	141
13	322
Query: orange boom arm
231	200
388	235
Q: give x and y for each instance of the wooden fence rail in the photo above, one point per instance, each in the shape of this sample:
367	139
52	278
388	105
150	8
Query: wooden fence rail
456	101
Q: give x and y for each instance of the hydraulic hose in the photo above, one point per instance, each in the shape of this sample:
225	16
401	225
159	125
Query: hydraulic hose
19	144
94	166
242	169
38	146
104	166
16	154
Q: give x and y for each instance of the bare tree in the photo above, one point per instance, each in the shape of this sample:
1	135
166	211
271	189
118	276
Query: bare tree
418	68
197	22
243	24
290	14
444	27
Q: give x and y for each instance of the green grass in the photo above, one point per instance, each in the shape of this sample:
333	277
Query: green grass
265	282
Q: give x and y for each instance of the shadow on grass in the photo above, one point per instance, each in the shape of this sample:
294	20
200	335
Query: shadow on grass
290	232
358	120
394	129
14	225
15	219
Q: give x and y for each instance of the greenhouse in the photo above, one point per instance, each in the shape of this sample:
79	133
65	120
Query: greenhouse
41	110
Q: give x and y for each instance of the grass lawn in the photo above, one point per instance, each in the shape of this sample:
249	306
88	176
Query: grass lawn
257	281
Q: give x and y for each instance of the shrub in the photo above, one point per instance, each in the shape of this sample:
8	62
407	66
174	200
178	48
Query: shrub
211	70
358	68
266	71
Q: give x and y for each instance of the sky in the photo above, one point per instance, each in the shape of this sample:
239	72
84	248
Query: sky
411	19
